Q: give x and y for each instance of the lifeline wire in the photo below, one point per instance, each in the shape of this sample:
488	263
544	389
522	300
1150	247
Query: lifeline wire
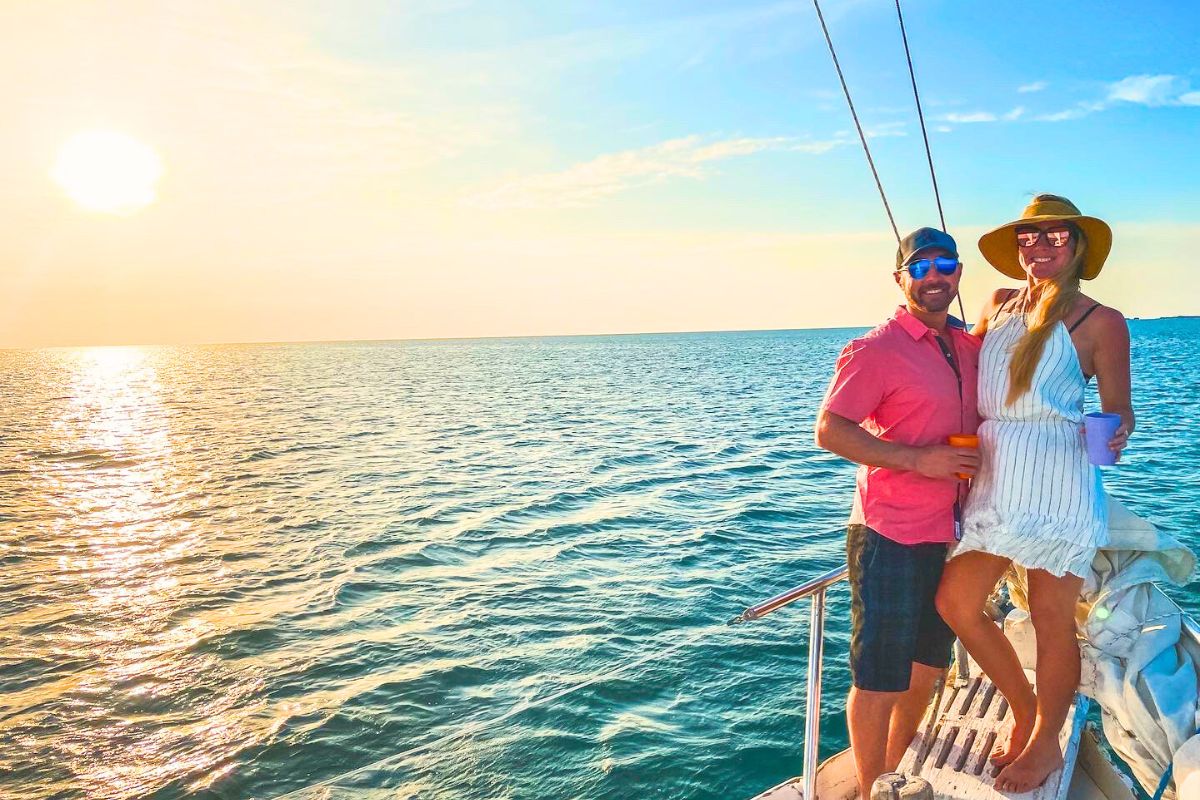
861	136
512	712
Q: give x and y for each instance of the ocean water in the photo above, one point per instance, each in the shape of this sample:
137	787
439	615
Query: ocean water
491	568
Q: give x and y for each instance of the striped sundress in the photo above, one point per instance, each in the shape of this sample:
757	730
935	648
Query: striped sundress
1036	499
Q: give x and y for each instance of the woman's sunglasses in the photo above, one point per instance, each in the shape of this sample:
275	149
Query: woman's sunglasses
920	268
1028	237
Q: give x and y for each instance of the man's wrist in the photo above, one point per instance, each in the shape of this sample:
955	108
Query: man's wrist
907	457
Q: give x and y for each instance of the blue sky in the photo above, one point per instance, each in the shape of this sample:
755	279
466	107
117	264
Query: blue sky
614	77
457	168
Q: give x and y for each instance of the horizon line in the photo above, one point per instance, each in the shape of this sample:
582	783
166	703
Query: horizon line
491	337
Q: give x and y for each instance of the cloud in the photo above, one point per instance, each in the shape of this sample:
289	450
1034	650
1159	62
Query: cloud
1062	116
974	116
1077	111
885	129
1147	90
606	175
1152	91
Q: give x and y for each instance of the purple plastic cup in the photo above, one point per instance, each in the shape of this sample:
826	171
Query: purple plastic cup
1100	429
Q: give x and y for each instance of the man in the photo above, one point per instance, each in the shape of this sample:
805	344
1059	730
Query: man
897	394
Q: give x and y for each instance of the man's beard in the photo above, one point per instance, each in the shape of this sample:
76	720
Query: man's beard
934	304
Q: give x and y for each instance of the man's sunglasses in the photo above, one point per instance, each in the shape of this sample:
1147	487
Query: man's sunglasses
920	268
1028	237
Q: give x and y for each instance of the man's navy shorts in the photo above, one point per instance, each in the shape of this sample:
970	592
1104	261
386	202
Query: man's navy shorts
892	588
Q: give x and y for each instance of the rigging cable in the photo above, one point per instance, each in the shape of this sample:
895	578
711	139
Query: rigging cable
937	196
921	116
861	136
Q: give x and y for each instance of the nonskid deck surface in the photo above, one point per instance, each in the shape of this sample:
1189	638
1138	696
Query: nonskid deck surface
967	724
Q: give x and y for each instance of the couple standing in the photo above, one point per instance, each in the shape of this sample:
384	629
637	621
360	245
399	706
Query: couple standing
1018	378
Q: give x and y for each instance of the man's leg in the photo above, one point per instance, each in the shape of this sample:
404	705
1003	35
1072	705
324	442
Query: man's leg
885	614
906	715
867	713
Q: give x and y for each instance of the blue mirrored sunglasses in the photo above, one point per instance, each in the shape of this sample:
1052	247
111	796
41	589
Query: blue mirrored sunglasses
920	268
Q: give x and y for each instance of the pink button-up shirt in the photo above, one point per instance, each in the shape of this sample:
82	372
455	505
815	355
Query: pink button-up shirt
895	382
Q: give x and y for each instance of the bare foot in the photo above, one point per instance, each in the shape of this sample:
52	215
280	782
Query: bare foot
1030	769
1005	753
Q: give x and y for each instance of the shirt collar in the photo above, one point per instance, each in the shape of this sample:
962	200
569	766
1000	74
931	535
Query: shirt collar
916	329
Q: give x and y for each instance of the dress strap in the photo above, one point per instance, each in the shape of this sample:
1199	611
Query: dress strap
1011	295
1079	321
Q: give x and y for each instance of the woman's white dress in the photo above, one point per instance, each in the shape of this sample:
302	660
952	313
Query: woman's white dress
1036	499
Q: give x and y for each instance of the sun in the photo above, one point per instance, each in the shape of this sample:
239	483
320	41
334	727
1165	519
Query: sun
108	171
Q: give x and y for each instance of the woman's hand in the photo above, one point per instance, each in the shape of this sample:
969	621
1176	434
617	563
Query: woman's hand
1120	438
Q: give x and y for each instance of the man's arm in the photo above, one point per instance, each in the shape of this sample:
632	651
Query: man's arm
845	438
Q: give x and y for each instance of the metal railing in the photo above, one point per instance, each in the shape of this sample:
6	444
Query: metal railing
815	589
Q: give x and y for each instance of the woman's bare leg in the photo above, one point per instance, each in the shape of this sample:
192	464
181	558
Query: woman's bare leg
1052	606
966	584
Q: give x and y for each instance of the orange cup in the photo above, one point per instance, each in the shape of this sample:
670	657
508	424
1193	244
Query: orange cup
963	440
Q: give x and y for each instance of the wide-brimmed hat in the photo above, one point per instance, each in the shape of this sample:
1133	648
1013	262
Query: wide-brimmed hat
999	246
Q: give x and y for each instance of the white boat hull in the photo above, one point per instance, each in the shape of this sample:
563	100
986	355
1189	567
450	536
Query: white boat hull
1094	778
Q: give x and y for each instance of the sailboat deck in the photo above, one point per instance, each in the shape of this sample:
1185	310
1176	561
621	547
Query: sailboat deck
953	757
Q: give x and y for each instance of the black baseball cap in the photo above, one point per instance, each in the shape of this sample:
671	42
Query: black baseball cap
923	239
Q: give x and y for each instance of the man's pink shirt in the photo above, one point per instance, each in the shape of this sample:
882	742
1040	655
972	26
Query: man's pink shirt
896	383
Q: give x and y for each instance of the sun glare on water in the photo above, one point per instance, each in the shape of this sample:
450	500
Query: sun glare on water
108	171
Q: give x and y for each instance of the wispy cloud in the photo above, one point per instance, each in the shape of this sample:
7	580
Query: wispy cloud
1077	111
975	117
1152	91
1062	116
884	129
970	117
591	181
1148	90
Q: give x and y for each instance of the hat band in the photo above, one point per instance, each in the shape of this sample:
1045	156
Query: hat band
1050	209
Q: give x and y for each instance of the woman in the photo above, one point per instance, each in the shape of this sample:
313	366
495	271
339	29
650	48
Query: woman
1036	501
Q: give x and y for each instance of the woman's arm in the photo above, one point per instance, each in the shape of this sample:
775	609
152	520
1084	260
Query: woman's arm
998	298
1110	359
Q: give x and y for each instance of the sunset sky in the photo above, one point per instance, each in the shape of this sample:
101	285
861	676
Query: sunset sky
450	168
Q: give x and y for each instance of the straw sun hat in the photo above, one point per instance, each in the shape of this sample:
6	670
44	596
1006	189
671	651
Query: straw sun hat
999	246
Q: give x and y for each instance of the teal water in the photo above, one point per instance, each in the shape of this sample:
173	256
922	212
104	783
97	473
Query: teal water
243	571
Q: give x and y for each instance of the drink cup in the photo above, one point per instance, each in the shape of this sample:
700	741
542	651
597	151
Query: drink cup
1099	429
963	440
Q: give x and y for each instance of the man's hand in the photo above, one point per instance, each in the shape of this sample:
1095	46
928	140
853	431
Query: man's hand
845	438
945	462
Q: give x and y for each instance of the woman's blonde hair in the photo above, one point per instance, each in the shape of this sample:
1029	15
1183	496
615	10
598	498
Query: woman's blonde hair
1054	301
